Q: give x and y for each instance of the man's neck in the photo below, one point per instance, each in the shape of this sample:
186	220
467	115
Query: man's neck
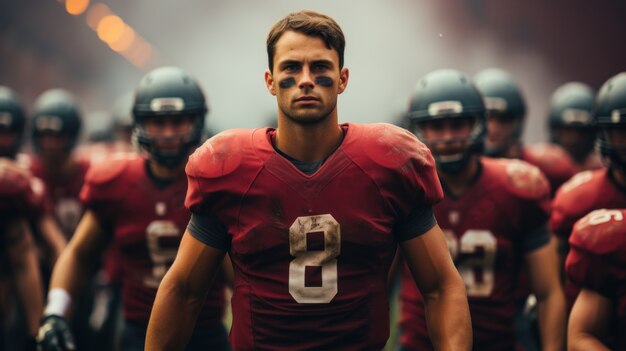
458	183
166	173
308	143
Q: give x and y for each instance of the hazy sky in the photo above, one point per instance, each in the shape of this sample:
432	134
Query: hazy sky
390	45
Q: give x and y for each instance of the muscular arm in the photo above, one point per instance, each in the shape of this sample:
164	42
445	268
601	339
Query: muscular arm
543	269
445	299
25	269
181	294
589	322
52	236
75	263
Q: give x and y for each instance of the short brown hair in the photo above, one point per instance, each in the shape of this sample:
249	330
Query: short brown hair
309	23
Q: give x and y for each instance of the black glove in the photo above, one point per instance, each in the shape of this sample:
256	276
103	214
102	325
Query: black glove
55	335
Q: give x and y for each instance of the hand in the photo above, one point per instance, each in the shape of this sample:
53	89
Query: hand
55	335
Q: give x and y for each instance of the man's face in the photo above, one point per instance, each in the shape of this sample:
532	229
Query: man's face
500	131
306	78
53	146
169	132
448	137
578	142
8	138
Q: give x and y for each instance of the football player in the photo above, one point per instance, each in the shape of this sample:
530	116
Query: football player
135	202
571	124
55	127
602	188
20	199
12	121
494	216
597	263
311	214
506	110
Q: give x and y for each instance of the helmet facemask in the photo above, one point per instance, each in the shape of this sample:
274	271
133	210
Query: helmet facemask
466	145
169	149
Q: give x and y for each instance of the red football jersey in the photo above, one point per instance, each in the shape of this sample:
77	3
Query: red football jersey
64	193
488	229
585	192
597	261
21	194
311	253
552	160
147	223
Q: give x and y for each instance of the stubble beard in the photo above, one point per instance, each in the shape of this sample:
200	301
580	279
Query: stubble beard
306	118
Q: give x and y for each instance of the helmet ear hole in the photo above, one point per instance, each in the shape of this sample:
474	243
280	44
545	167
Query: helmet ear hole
168	91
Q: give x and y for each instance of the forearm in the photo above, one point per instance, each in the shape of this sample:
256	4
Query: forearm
585	342
551	309
30	288
70	272
173	316
448	318
53	237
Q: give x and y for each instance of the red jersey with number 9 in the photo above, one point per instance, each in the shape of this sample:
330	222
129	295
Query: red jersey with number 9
147	223
311	253
485	230
597	261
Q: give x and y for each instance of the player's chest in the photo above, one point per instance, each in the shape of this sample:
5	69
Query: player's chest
160	222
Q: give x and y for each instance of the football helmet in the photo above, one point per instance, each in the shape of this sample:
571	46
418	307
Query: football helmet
168	91
503	98
445	94
610	113
12	120
56	112
571	107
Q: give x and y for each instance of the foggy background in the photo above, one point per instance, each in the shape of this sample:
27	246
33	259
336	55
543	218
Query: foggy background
390	45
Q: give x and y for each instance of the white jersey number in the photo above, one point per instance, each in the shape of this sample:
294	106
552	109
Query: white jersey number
469	242
162	257
326	258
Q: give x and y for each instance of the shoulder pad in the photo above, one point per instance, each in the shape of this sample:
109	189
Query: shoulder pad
602	232
525	180
103	172
391	146
220	155
13	178
552	159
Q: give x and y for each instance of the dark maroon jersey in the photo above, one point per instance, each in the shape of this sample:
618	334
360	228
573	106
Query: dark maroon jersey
64	193
147	223
21	194
597	261
585	192
311	253
489	229
552	160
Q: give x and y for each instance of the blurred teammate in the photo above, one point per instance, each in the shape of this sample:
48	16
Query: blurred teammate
494	216
571	124
506	110
597	263
21	198
311	214
55	127
602	188
135	203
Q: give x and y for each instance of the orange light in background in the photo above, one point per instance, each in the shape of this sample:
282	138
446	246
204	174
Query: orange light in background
141	55
76	7
125	41
95	13
110	29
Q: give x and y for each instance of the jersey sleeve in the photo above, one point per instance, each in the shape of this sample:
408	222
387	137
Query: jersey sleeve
532	190
102	188
566	207
597	257
403	169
